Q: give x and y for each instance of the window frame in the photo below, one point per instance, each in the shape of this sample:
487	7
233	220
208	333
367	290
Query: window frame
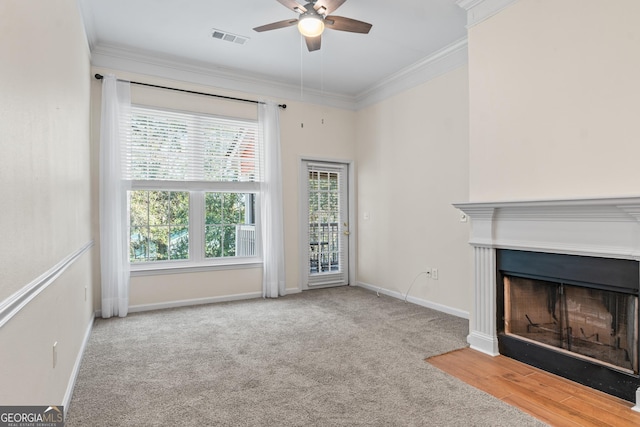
197	260
147	226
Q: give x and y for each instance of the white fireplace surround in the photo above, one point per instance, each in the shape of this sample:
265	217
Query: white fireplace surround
602	227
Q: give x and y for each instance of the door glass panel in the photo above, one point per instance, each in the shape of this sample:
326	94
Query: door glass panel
325	261
324	216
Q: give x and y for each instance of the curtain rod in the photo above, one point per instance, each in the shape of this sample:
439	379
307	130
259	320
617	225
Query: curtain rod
283	106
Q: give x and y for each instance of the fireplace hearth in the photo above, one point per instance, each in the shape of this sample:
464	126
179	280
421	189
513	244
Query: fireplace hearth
579	321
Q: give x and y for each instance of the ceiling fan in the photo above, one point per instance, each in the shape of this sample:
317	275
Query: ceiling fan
314	18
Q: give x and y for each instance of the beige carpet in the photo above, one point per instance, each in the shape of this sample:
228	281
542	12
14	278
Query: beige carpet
332	357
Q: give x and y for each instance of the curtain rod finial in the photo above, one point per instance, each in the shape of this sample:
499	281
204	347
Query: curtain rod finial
98	76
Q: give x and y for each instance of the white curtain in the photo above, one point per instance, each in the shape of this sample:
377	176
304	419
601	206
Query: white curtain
273	281
114	253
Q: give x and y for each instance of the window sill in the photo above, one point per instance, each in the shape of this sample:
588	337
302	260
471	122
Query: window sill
191	267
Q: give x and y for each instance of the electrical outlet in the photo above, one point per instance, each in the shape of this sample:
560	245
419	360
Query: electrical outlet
428	273
55	354
434	273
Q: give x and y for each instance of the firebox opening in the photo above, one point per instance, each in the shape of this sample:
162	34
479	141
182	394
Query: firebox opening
593	324
575	316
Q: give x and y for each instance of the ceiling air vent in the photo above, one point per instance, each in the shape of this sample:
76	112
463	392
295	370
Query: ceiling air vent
233	38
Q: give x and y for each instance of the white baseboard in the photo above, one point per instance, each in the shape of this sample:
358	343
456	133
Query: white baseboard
188	302
198	301
418	301
637	406
483	343
66	401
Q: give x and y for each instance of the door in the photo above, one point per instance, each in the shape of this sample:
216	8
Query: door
326	224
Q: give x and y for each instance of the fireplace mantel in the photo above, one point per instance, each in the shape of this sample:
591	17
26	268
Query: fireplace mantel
600	227
605	227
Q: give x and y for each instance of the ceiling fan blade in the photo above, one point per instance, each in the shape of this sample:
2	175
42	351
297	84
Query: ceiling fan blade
313	43
347	24
293	5
328	5
276	25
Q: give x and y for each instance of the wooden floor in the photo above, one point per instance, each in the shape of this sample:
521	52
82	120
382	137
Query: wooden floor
551	399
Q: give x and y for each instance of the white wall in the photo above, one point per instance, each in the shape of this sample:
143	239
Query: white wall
307	130
554	92
412	164
311	132
45	192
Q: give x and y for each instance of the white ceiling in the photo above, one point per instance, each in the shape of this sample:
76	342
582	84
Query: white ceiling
404	32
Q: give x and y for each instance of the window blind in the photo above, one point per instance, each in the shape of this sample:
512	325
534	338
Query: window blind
176	146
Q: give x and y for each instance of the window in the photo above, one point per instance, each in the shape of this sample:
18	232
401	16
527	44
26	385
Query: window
159	225
194	184
229	225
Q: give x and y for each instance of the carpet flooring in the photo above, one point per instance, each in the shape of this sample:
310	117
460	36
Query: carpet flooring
330	357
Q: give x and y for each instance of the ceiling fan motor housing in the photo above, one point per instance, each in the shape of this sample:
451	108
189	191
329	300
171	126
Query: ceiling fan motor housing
311	11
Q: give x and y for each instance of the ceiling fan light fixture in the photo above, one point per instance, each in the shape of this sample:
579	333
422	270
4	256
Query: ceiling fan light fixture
312	19
310	25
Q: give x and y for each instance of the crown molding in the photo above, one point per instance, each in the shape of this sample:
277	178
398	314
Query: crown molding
481	10
155	64
440	62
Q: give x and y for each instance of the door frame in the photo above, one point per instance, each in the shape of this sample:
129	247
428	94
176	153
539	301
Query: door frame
303	219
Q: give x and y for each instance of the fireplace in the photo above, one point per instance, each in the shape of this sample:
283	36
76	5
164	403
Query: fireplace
575	316
556	285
